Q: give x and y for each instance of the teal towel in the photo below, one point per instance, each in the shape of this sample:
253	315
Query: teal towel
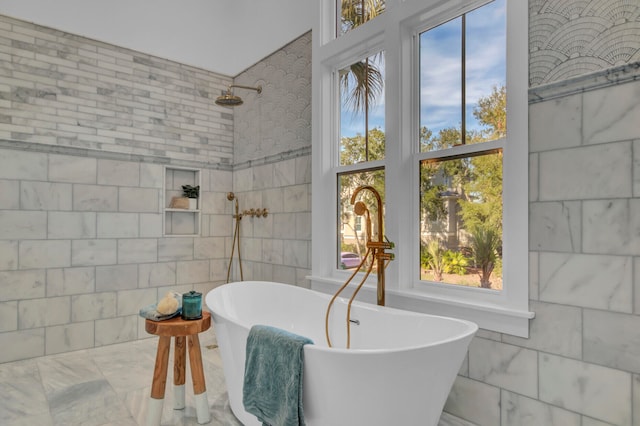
273	371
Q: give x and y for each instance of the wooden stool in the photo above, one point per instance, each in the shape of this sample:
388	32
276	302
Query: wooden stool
186	334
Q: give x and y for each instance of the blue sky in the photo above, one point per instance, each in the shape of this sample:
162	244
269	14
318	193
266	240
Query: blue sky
440	71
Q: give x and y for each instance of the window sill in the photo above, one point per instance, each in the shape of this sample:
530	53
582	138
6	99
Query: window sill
487	316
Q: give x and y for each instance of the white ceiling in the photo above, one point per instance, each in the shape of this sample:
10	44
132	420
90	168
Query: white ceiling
224	36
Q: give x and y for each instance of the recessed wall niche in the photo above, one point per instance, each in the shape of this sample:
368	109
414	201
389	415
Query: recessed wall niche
181	214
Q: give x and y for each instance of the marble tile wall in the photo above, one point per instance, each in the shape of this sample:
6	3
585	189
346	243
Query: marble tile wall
65	90
74	279
86	130
580	364
278	247
272	165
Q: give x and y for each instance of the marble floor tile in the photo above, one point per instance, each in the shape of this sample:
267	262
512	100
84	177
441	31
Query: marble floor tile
110	386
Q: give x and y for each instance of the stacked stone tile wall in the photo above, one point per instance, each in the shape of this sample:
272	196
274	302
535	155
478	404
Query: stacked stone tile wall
65	90
86	130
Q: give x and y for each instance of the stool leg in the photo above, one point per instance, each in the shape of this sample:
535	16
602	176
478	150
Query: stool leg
197	375
179	364
159	381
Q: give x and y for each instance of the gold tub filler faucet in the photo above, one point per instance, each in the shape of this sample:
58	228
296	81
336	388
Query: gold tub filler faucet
375	248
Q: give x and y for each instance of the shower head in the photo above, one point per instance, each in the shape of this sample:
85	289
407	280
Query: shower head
231	100
230	196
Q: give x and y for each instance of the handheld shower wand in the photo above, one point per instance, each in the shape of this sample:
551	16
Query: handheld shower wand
236	236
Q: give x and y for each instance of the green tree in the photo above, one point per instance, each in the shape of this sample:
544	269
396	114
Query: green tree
362	81
485	241
492	113
353	149
483	186
356	12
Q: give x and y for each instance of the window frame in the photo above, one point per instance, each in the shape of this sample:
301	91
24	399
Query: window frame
395	32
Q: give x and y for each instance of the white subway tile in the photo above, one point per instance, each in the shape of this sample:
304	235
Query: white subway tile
591	281
151	175
143	200
522	411
590	172
589	389
131	301
9	194
67	281
23	225
23	165
36	254
303	170
18	345
175	249
151	225
8	255
121	173
474	401
611	114
71	225
208	248
34	313
619	349
116	330
610	226
93	252
117	225
296	198
69	337
296	253
95	198
555	124
506	366
156	274
67	168
196	271
137	250
87	307
8	316
284	173
118	277
556	329
19	285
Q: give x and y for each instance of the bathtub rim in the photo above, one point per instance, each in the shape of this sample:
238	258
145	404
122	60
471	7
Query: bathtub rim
469	331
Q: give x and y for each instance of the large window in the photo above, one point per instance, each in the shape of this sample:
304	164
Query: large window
463	102
361	146
428	105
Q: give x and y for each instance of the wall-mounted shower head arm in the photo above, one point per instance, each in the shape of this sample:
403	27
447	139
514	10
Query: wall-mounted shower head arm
257	88
231	100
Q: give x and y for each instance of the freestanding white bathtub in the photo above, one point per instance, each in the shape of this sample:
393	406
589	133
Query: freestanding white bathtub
399	370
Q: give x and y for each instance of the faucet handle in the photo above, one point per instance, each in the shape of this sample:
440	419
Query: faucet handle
390	244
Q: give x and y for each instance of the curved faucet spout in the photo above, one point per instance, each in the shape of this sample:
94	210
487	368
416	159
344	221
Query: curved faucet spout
376	194
378	247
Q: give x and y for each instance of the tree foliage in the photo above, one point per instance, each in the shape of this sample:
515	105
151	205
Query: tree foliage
362	82
476	180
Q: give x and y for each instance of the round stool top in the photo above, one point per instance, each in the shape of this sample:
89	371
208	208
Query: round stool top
178	327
